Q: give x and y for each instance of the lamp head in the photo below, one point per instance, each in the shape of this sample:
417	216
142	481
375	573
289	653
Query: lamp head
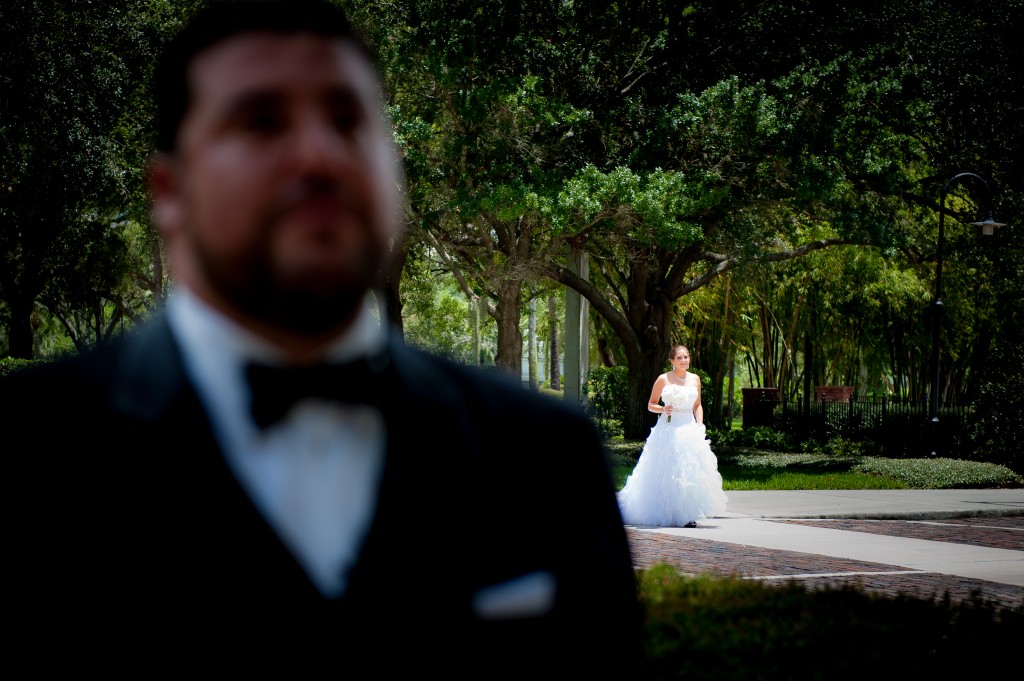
988	225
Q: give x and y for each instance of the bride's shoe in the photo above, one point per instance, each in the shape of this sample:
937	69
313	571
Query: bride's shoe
692	523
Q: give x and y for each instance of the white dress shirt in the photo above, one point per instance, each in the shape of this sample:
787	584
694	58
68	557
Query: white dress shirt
315	475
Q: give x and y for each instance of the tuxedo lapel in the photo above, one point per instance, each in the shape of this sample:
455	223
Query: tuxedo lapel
459	527
415	499
444	487
148	377
211	536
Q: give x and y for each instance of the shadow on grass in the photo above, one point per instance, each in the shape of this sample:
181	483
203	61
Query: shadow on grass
724	628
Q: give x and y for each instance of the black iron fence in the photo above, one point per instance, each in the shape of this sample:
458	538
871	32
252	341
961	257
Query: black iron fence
901	426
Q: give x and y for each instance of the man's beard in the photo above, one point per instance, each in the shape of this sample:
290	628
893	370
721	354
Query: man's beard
302	296
310	304
302	313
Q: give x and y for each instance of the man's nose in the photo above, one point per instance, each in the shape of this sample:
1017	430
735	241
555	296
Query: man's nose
317	146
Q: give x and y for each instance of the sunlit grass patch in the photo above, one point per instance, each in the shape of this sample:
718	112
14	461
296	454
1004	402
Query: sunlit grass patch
737	478
940	473
752	469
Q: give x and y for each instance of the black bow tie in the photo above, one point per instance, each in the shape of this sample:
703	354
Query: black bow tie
275	389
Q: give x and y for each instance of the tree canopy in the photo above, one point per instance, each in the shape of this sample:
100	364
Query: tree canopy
760	181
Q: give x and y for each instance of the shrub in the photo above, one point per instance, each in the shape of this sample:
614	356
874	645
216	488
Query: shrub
11	364
604	393
995	433
941	473
757	437
609	428
841	448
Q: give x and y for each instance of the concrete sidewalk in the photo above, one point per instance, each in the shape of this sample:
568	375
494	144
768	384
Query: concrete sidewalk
971	534
883	503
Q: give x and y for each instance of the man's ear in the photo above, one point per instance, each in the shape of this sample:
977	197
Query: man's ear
165	198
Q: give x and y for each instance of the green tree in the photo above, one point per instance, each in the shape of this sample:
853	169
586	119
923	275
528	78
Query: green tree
749	186
69	146
480	133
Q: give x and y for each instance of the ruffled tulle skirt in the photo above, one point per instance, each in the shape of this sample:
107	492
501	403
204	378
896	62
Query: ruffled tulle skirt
676	479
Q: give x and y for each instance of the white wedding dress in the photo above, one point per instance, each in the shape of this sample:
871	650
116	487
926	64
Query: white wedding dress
676	480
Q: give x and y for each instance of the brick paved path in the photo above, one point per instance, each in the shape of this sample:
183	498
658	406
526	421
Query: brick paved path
700	556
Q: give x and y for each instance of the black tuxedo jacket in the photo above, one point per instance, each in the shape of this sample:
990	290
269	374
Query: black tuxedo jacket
133	543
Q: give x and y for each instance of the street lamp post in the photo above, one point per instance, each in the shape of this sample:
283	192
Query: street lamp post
987	227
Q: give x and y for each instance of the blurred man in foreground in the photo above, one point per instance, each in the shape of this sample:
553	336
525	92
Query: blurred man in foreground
263	472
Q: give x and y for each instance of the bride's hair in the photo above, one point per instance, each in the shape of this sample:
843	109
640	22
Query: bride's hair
674	350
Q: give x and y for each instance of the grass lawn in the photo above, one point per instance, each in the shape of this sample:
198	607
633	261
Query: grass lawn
752	469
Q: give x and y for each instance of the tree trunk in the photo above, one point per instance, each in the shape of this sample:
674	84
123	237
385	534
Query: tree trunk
554	372
474	322
156	284
643	328
604	351
731	413
723	365
510	340
392	293
767	347
639	421
531	347
19	330
648	359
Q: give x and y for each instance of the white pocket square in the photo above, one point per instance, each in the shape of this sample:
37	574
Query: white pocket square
529	595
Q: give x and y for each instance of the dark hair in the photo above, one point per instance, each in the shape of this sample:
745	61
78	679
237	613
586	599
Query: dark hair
223	19
674	349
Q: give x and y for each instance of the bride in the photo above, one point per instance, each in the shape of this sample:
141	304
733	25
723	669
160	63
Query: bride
676	481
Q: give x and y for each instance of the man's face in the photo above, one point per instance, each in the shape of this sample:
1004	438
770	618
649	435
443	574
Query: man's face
280	201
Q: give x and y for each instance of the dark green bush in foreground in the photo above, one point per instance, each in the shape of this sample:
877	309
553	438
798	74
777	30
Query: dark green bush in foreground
725	628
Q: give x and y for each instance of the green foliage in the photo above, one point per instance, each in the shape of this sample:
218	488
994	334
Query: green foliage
814	477
609	427
545	388
753	458
759	437
604	397
627	449
763	448
840	447
754	470
724	627
436	320
707	395
657	208
73	146
744	467
996	432
9	365
941	473
670	141
621	464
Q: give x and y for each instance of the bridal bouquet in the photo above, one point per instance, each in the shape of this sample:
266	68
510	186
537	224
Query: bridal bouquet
675	403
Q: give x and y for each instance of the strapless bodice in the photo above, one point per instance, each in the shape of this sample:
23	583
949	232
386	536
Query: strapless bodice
679	396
